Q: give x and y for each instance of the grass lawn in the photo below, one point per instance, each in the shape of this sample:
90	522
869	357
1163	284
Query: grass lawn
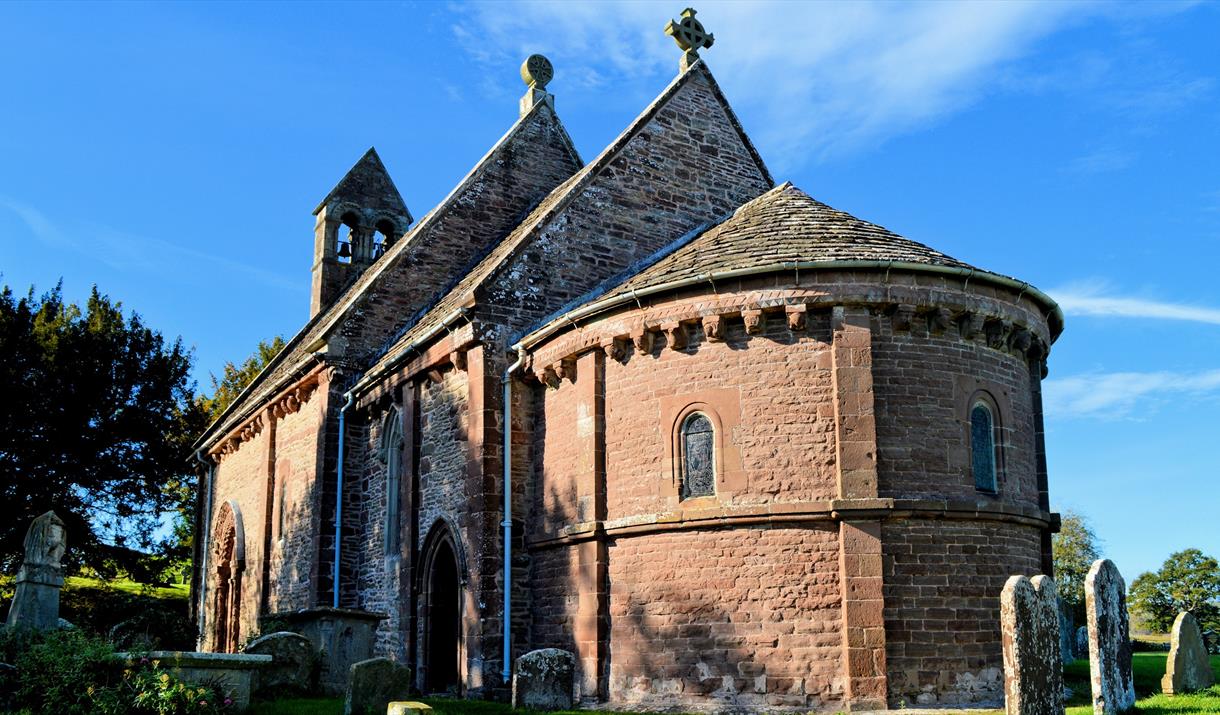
171	592
1148	669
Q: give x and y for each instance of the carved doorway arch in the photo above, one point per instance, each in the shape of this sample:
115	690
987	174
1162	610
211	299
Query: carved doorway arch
229	555
443	581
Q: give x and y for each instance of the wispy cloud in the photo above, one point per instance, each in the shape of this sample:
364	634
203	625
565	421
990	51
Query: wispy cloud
128	252
819	78
1101	161
1095	300
1115	395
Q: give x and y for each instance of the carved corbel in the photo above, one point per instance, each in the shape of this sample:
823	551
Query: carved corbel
754	320
1037	351
713	328
565	369
435	375
1021	340
996	331
901	317
968	323
797	316
938	320
675	335
642	338
458	358
547	377
615	349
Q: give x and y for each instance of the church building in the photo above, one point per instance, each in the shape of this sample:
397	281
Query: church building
731	447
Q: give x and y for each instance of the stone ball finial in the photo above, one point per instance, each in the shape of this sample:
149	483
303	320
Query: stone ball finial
536	71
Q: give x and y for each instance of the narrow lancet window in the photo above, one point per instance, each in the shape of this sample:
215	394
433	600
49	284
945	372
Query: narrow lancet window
698	457
982	447
392	445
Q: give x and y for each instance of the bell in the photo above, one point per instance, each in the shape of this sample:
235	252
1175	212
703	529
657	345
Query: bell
345	249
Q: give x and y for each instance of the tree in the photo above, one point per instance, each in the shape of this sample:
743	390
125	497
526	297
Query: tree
1074	550
97	418
237	377
1188	581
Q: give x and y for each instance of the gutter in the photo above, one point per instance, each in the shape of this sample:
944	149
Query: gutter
1054	313
507	523
205	535
350	396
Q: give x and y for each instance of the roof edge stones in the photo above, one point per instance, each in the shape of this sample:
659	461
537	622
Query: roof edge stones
559	199
239	410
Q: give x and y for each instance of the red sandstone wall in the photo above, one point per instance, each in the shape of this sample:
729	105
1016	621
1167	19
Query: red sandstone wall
241	478
781	385
294	532
923	384
747	618
942	605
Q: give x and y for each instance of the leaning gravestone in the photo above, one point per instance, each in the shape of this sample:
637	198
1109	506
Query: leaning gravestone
1188	669
1105	596
292	660
543	680
1033	668
1067	632
36	603
372	684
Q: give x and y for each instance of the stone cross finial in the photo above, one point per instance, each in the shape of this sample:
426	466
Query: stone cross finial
690	36
536	72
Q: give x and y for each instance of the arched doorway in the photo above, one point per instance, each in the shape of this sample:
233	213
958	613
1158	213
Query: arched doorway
442	614
229	555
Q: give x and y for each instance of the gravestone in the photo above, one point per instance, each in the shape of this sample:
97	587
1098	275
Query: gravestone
373	684
36	602
292	661
1109	639
1082	642
1188	668
543	680
1033	668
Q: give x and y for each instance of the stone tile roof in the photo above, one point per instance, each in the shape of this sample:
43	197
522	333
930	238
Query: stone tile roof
784	225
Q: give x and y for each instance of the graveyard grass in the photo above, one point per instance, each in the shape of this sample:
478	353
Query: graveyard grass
1147	667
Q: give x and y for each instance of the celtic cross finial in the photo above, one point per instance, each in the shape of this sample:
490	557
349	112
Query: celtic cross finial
690	36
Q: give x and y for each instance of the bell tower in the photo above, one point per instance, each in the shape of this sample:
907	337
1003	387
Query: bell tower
357	221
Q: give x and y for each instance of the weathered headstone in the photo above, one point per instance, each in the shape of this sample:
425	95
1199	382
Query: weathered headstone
1033	668
1082	642
543	680
373	684
407	708
292	661
1188	668
36	603
1105	596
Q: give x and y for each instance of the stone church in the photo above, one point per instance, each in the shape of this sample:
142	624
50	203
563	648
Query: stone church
731	447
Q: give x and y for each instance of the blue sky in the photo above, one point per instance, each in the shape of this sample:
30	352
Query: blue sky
172	153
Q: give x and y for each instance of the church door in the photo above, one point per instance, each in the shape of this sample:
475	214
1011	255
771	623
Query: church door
442	621
229	555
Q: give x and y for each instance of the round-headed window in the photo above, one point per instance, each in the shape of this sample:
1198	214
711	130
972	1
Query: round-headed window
698	457
982	447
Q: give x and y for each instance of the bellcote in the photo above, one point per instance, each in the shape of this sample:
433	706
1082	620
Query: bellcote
357	221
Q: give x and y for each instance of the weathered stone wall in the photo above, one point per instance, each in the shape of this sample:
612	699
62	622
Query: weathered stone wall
747	618
295	512
241	477
923	384
942	584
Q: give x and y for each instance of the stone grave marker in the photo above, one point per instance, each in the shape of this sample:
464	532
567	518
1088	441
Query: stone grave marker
1188	668
1109	639
543	679
1033	667
292	661
373	684
41	576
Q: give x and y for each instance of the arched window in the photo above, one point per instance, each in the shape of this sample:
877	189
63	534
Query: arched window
391	454
697	442
982	447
